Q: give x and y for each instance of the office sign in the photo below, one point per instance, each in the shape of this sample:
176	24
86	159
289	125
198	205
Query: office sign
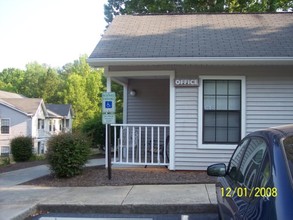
186	82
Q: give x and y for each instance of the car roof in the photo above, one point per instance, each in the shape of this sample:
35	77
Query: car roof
281	131
284	129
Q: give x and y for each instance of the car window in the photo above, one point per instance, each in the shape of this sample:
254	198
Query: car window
251	162
236	159
288	146
265	172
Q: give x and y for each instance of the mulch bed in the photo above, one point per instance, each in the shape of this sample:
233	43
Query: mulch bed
98	176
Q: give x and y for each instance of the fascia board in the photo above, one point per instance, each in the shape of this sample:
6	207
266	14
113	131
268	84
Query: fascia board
247	61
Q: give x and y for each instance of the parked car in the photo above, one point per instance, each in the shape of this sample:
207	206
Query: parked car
258	181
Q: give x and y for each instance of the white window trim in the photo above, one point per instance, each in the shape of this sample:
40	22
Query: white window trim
1	126
200	111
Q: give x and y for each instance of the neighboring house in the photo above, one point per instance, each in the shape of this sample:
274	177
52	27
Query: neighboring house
21	116
210	79
60	118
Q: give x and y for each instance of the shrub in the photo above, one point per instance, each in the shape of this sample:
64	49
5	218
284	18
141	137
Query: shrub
4	161
21	148
95	130
67	153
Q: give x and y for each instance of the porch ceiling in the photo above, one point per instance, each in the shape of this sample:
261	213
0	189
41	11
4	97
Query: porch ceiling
124	80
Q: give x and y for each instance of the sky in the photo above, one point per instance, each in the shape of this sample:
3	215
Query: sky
54	32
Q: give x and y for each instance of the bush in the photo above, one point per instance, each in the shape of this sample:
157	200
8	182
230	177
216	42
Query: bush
67	153
21	148
95	130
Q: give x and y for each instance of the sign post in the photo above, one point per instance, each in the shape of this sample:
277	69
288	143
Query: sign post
109	117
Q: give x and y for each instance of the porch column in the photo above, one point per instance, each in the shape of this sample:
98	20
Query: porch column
172	123
108	84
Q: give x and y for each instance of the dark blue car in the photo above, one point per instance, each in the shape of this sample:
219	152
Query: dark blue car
258	181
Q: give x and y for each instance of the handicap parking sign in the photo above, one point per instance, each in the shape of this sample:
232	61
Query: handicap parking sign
108	104
108	100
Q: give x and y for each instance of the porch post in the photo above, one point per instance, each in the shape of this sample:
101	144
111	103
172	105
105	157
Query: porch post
125	101
172	123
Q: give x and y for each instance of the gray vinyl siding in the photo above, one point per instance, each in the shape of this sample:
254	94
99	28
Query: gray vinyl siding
151	104
19	124
187	155
269	102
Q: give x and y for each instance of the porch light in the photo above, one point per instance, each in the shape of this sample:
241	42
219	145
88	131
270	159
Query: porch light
133	92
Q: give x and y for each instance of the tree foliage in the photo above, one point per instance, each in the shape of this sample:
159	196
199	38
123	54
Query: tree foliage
76	83
117	7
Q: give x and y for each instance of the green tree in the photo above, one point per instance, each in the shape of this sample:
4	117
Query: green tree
83	89
32	83
76	83
51	83
117	7
76	95
11	80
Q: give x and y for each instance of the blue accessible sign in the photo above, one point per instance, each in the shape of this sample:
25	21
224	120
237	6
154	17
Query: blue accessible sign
109	102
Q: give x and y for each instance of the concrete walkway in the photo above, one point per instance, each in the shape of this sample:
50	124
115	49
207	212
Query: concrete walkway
16	177
19	201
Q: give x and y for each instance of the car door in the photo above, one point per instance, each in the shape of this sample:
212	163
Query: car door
259	206
248	174
241	176
227	200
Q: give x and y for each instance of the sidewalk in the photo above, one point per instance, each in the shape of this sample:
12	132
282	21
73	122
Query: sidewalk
16	177
18	202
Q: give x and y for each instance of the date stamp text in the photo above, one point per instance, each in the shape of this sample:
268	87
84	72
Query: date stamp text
253	192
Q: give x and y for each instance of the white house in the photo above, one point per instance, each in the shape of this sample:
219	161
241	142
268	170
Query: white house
60	118
203	80
21	116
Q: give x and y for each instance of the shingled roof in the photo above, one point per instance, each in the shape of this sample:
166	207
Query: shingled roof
28	106
60	109
196	36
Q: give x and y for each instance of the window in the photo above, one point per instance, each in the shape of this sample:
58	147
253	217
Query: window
67	123
4	151
221	111
40	124
5	124
50	125
251	162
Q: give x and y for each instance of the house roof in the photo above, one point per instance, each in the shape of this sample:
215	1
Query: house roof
132	39
59	109
29	106
4	94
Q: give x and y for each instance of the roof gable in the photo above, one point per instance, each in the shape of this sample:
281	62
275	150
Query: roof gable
197	35
59	109
28	106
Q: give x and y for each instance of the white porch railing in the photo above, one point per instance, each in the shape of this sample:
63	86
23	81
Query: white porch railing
141	144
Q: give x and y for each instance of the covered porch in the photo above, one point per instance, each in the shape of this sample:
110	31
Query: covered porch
145	136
